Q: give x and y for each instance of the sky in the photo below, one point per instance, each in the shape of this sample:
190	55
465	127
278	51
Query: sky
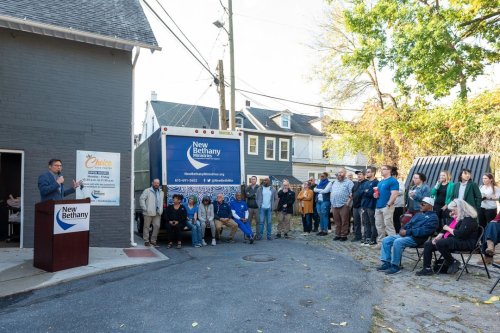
273	54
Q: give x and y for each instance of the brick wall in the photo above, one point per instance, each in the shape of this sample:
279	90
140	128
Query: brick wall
57	97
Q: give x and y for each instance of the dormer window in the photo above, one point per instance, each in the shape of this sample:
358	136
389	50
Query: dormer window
285	120
239	122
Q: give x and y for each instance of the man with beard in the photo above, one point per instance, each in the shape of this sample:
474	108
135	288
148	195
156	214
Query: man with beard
340	198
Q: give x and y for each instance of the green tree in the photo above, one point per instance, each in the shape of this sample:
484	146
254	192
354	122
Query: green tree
431	46
397	136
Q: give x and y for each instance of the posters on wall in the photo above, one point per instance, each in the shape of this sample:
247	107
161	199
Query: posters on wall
100	173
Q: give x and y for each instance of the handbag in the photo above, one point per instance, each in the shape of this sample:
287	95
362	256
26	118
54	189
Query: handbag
438	263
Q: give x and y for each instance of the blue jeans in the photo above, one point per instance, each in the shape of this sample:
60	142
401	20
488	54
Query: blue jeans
265	216
492	232
245	227
323	208
395	244
307	222
195	228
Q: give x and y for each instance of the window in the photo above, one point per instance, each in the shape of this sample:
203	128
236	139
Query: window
238	122
270	143
284	149
285	121
253	145
293	146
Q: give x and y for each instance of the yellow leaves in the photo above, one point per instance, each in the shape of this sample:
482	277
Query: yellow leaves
492	300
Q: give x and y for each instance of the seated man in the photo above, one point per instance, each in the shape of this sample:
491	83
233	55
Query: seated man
222	214
239	209
414	233
491	238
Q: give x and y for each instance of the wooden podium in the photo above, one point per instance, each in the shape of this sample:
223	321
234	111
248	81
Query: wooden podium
61	234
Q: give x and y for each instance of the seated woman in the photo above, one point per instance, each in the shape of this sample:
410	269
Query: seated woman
459	235
192	221
176	216
490	239
206	216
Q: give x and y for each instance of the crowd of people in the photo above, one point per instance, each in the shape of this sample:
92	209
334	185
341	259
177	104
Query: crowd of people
444	217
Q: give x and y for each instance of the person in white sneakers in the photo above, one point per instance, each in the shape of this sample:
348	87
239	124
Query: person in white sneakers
206	216
151	201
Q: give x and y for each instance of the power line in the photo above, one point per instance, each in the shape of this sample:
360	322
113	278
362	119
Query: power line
225	9
297	102
170	17
180	41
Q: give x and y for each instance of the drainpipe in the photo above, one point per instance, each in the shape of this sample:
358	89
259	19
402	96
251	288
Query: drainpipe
132	146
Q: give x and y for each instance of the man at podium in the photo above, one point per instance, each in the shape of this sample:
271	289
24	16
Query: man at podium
51	183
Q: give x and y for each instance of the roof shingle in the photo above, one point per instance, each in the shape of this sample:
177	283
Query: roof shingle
122	19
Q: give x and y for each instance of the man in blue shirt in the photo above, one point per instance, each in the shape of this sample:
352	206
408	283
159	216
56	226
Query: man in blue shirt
414	233
386	193
239	209
417	192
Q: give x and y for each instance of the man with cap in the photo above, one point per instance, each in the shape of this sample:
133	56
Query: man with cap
412	234
356	206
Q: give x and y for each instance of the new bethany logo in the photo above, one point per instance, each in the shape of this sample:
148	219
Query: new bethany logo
202	151
69	213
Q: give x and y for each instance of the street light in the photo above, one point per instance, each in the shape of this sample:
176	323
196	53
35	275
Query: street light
220	25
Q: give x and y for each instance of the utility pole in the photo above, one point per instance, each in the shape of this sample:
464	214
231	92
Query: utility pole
232	112
222	97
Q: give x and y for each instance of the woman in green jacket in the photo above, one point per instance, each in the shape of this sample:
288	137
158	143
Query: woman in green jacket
467	190
442	193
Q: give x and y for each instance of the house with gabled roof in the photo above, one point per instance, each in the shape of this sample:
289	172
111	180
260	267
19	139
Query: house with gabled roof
309	158
66	85
267	152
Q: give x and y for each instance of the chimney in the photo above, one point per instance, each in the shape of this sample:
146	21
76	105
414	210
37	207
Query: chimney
154	96
321	111
247	103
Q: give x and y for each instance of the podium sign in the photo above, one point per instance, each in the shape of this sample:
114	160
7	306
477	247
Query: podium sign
61	234
71	218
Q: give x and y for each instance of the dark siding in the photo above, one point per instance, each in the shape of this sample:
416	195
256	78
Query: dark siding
431	166
257	165
57	97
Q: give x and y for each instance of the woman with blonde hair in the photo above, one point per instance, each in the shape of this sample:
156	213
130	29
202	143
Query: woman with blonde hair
305	198
442	193
490	193
460	234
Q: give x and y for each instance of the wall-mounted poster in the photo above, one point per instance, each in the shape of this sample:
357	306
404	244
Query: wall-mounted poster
100	174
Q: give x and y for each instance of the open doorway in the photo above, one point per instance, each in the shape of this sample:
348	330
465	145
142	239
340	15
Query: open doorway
11	195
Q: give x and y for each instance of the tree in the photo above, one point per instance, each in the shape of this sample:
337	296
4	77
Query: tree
398	136
346	80
431	46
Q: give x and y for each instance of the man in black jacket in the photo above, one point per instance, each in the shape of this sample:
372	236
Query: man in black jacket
356	206
253	209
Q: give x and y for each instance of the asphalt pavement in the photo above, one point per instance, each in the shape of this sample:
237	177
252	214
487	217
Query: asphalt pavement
271	286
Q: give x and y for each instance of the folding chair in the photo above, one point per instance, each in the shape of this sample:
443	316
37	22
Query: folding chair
420	252
476	250
498	280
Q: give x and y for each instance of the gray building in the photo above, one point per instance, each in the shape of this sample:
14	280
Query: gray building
66	83
267	152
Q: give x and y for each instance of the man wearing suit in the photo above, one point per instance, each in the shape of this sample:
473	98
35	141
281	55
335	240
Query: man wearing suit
51	183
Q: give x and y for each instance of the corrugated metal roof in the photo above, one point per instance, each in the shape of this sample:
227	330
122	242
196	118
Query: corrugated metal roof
431	166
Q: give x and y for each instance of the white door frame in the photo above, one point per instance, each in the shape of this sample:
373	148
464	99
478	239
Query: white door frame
21	225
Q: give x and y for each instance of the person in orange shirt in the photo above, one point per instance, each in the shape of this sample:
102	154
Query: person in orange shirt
305	198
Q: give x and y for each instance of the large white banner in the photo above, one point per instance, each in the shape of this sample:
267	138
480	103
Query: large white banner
71	218
100	173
